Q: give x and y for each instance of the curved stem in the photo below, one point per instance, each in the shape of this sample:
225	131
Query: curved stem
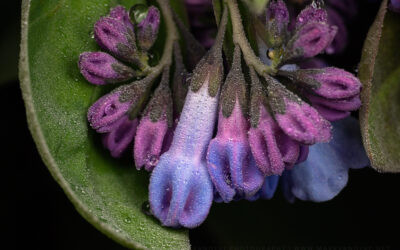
172	37
240	39
165	61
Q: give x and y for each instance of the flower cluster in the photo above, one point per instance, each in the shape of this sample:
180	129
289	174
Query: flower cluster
272	118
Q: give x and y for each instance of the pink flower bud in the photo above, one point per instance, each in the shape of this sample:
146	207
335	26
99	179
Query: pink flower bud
277	20
116	37
311	14
148	29
272	149
310	40
106	111
296	118
121	136
121	14
101	68
335	109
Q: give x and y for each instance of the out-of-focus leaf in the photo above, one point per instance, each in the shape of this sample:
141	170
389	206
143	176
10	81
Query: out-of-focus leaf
106	192
379	72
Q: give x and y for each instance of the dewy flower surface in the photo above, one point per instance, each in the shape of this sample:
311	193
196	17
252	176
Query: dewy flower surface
207	136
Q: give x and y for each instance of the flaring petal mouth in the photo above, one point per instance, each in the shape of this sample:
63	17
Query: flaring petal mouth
181	192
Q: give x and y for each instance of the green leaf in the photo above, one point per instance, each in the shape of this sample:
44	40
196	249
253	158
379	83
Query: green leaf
107	192
380	74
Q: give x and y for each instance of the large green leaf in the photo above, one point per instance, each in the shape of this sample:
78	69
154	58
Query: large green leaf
106	192
380	74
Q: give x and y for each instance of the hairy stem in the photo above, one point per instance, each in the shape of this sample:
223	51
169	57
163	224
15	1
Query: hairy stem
239	38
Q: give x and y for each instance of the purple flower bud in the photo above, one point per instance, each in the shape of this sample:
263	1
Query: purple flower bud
272	149
154	127
334	83
311	14
277	20
330	83
303	123
339	43
116	37
106	111
101	68
278	11
121	14
122	134
334	109
148	29
310	40
395	5
150	142
296	118
230	163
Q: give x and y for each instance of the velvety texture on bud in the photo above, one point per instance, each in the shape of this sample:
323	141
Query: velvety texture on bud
156	124
101	68
150	142
331	83
230	163
339	43
147	29
106	111
325	172
120	13
296	118
121	136
310	40
335	109
113	35
277	20
311	14
272	149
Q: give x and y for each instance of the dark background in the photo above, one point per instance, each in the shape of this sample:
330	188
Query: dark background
36	213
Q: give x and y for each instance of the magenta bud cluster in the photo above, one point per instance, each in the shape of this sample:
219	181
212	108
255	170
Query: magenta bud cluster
123	41
229	138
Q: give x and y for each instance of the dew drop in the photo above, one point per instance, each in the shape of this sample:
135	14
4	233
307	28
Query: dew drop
146	208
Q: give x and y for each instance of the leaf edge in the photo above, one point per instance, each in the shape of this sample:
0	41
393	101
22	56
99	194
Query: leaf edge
40	141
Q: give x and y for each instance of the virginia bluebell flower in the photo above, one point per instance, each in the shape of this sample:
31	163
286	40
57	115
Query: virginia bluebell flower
226	139
180	191
231	165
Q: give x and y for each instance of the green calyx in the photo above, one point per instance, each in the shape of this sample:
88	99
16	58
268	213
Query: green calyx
234	88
